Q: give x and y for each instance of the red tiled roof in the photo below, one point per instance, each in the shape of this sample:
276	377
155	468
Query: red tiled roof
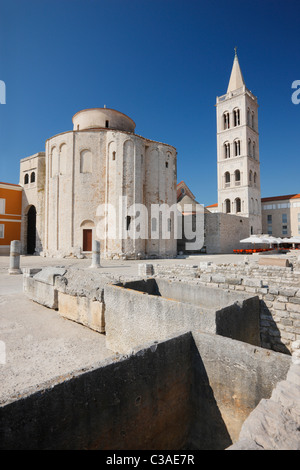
11	184
279	198
212	205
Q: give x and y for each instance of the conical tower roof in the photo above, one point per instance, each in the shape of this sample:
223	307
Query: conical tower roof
236	78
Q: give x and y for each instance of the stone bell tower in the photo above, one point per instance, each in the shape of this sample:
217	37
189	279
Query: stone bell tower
238	151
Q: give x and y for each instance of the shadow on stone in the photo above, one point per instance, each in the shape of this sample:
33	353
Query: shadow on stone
270	334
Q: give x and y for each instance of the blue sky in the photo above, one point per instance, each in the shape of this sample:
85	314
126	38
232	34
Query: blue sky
161	62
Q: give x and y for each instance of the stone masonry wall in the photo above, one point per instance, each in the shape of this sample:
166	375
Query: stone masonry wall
278	289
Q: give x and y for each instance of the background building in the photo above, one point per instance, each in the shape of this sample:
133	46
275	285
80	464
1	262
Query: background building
281	215
10	215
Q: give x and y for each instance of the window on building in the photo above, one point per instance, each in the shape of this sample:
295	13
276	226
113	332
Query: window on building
237	177
1	230
227	206
253	150
26	179
249	147
284	218
226	123
284	230
114	155
238	205
255	178
2	206
128	222
248	116
85	161
236	117
227	150
169	225
167	164
237	148
32	177
253	122
106	123
227	179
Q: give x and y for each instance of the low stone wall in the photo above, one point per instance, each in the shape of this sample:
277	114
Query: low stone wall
277	288
142	311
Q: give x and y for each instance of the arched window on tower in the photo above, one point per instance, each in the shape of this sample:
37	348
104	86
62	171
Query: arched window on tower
32	177
237	177
236	117
248	117
227	150
253	120
253	150
227	179
26	179
227	206
238	205
249	147
250	177
255	178
237	148
226	122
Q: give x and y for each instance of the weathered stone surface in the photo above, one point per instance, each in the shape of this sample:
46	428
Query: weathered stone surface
275	423
48	275
268	261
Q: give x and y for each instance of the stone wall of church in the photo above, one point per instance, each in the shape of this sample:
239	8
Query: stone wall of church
90	168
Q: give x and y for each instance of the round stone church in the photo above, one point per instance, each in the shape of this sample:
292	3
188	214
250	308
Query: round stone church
85	184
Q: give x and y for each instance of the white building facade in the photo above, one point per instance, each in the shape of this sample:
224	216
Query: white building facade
238	151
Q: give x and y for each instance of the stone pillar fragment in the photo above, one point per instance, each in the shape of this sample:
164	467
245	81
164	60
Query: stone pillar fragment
14	260
95	254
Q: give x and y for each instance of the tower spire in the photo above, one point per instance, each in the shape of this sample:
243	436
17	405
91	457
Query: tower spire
236	78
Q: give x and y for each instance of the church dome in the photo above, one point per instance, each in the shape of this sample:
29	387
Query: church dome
99	118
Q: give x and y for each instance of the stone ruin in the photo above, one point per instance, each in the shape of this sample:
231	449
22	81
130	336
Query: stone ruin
206	357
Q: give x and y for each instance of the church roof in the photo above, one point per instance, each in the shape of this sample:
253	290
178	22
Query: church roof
236	78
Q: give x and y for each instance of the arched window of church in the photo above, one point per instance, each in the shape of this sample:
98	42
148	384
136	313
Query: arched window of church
227	206
227	150
238	205
253	120
237	148
227	179
237	177
226	122
26	179
253	150
236	117
55	162
32	177
250	176
255	178
63	159
85	161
